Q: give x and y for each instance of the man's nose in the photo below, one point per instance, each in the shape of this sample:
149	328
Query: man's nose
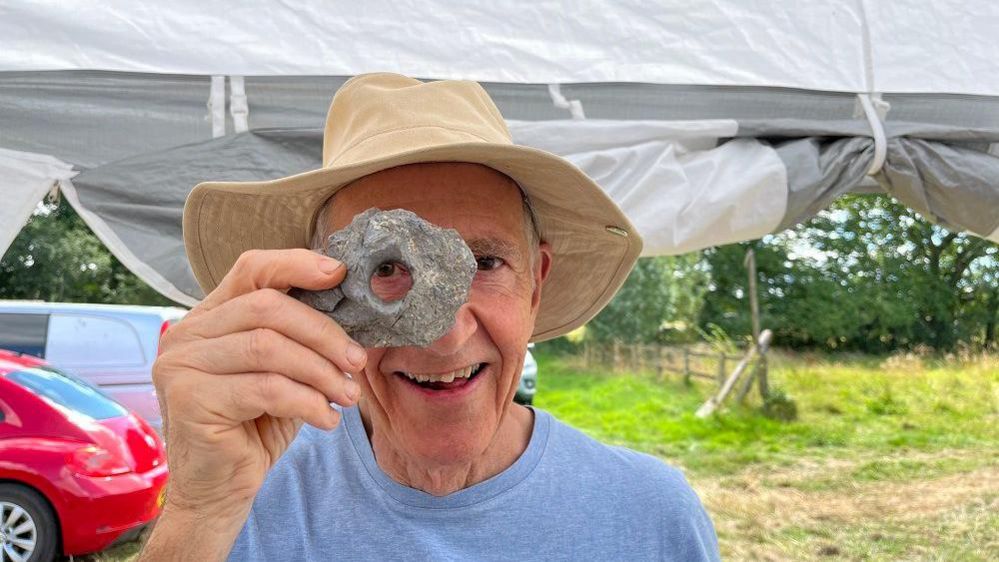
464	326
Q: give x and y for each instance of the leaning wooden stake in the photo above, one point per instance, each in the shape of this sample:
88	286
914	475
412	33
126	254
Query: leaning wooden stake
715	401
747	383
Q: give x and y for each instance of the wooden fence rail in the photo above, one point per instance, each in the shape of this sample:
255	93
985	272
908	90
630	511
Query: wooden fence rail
688	361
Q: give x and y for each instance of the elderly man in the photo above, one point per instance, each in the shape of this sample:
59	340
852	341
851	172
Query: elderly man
425	455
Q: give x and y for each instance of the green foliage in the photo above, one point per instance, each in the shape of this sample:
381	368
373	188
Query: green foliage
779	406
660	301
868	275
719	340
910	282
57	258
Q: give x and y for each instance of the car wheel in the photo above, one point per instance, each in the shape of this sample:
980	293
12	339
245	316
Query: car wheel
28	530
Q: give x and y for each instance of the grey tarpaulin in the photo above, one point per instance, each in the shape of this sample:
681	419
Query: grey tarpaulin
927	176
770	157
818	172
114	115
944	173
142	198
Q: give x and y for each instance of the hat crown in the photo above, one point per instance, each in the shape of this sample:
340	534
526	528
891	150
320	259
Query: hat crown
378	115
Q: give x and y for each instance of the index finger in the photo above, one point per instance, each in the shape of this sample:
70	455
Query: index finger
276	269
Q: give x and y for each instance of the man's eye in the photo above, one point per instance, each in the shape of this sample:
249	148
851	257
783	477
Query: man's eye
488	263
388	269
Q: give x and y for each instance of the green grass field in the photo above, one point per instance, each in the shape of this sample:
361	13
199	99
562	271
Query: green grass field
889	459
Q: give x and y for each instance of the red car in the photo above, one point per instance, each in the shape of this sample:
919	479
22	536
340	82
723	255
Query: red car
78	471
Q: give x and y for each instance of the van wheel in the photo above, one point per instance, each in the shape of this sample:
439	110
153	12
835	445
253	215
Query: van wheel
28	529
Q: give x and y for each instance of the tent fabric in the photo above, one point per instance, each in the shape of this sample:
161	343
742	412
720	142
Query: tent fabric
141	142
819	172
834	46
118	115
951	185
135	256
109	116
26	178
141	199
955	186
680	189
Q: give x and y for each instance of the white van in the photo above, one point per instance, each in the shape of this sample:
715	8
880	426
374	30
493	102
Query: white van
112	346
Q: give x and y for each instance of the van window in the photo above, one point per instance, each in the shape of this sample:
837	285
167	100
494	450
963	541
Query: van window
23	333
68	392
79	340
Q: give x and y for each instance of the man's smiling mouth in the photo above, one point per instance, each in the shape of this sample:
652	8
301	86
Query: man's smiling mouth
444	381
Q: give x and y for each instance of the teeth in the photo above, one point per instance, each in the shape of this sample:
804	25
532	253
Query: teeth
444	377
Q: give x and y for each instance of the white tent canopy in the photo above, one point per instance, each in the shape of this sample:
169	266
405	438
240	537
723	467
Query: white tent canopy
708	123
902	46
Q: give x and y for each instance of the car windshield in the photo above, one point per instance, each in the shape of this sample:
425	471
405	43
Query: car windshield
68	391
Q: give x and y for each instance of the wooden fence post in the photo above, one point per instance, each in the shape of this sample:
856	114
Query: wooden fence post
754	308
721	368
715	401
617	355
748	384
686	365
661	363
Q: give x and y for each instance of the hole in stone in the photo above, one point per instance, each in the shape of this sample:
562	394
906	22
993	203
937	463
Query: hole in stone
391	281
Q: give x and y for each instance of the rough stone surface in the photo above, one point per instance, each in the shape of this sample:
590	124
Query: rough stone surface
440	265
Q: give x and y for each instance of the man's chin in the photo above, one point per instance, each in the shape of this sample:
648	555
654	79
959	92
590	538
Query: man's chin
448	445
448	436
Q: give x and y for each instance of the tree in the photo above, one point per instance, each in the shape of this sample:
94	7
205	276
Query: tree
56	257
659	301
869	275
921	283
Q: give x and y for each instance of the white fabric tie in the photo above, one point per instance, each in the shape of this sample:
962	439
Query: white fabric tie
238	107
216	106
875	110
575	107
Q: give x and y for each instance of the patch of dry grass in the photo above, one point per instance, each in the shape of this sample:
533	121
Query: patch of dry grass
767	514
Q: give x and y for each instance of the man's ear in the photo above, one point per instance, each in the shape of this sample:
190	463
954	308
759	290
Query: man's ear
542	268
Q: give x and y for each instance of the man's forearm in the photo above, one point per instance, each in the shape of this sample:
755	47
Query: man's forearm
180	536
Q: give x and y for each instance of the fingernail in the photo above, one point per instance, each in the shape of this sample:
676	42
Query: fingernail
329	265
334	419
353	391
356	354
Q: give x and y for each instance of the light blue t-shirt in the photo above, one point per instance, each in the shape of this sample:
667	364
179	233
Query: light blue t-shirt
568	497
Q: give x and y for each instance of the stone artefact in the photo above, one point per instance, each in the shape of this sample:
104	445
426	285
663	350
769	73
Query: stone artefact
439	263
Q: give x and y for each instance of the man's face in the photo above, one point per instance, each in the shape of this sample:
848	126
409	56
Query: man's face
444	423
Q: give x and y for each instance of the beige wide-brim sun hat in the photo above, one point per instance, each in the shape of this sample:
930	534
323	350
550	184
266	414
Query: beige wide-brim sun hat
380	121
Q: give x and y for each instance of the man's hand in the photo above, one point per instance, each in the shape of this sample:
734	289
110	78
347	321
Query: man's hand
236	378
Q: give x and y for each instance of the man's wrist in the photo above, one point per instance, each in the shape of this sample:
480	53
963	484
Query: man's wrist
184	534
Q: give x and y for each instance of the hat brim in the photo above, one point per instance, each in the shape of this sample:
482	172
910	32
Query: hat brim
594	246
